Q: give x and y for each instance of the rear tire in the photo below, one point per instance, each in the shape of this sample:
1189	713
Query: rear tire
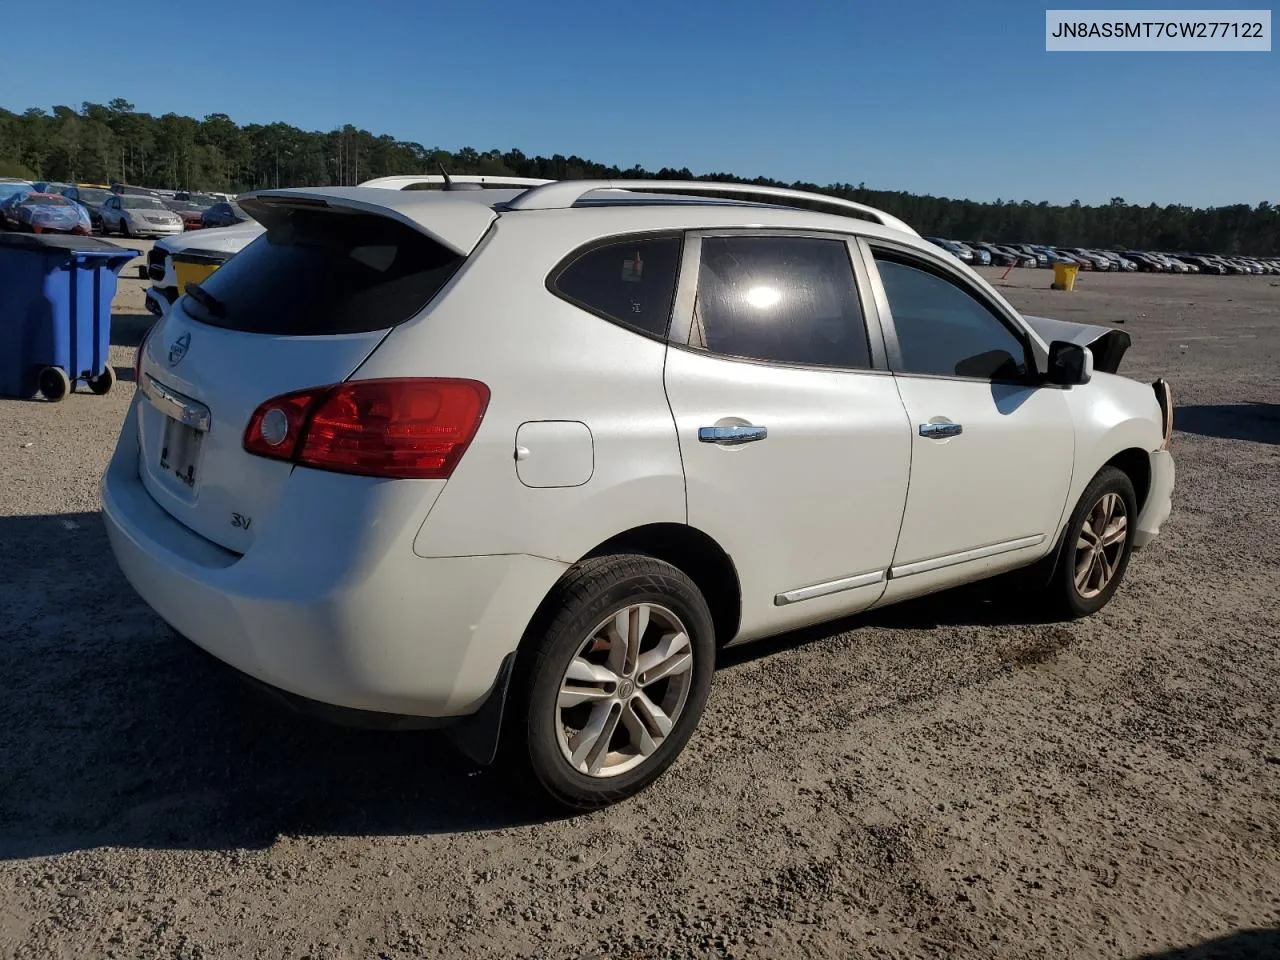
614	677
1096	546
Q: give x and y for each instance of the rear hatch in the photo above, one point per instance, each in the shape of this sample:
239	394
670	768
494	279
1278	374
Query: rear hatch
302	306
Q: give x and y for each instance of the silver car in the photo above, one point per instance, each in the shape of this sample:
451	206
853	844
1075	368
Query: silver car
135	216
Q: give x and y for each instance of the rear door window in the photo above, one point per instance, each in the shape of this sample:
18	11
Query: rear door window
629	281
321	273
780	299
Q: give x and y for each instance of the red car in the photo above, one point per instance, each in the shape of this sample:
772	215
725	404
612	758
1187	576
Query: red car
192	214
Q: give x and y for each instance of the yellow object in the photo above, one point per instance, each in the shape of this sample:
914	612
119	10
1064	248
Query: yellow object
1064	276
195	267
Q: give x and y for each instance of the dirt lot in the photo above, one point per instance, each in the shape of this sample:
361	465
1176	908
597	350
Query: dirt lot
945	779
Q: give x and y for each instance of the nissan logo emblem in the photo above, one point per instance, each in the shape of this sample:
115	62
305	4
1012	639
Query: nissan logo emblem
178	349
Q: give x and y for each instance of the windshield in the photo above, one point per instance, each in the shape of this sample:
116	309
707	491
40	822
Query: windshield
200	200
141	203
9	189
90	195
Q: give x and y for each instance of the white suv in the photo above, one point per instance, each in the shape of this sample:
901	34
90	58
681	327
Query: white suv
521	460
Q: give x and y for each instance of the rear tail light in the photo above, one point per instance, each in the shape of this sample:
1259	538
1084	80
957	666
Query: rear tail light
415	428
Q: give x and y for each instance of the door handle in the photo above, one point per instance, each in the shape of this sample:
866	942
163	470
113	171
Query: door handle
732	436
940	431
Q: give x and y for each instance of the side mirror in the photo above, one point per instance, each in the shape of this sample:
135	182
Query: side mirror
1069	364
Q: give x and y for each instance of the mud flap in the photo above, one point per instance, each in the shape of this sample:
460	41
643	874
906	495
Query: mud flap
477	736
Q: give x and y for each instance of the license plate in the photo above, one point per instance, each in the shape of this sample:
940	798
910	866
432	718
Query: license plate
180	452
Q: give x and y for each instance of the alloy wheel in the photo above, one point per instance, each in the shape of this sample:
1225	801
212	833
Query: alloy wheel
624	691
1100	545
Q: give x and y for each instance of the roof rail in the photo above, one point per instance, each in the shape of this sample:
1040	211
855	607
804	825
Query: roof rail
561	194
405	182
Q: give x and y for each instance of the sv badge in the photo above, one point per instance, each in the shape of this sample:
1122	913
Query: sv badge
241	521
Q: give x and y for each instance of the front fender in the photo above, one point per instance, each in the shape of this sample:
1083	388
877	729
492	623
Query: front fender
1111	414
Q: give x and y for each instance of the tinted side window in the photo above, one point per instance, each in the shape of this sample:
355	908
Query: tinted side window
944	331
783	299
631	282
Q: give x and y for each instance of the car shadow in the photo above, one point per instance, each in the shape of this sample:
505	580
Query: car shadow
128	329
1256	422
117	732
1255	944
1000	601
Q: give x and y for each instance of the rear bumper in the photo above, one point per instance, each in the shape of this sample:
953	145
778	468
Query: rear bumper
329	605
1159	499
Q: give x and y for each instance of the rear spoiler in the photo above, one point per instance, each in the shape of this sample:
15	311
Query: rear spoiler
1107	344
455	220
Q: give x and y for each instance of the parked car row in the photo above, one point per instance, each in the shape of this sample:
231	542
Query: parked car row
983	253
131	211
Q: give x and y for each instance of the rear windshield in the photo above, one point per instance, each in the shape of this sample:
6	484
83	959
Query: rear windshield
325	273
46	200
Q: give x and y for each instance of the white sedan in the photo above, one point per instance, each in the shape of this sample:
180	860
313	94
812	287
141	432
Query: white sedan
518	461
136	216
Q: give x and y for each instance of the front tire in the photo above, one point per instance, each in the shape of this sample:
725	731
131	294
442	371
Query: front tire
1096	546
614	681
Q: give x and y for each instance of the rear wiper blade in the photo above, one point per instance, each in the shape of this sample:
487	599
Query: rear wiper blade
207	300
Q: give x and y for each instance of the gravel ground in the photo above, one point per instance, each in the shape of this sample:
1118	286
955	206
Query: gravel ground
948	778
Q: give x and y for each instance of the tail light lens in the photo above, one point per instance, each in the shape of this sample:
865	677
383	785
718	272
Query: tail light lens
401	428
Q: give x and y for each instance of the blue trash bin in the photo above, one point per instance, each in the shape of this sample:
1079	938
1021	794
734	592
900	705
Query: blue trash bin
55	313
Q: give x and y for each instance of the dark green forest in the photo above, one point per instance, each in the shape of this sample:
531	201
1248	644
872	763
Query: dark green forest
101	143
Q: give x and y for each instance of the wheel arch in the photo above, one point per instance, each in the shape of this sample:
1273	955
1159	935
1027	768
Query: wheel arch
1135	463
686	548
698	556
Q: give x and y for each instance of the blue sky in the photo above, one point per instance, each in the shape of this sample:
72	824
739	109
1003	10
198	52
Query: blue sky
956	99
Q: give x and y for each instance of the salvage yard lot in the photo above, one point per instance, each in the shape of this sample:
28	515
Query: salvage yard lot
945	778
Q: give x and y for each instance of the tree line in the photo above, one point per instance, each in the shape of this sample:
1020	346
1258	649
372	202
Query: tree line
114	142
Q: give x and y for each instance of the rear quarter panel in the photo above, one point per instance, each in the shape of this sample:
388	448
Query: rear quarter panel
542	359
